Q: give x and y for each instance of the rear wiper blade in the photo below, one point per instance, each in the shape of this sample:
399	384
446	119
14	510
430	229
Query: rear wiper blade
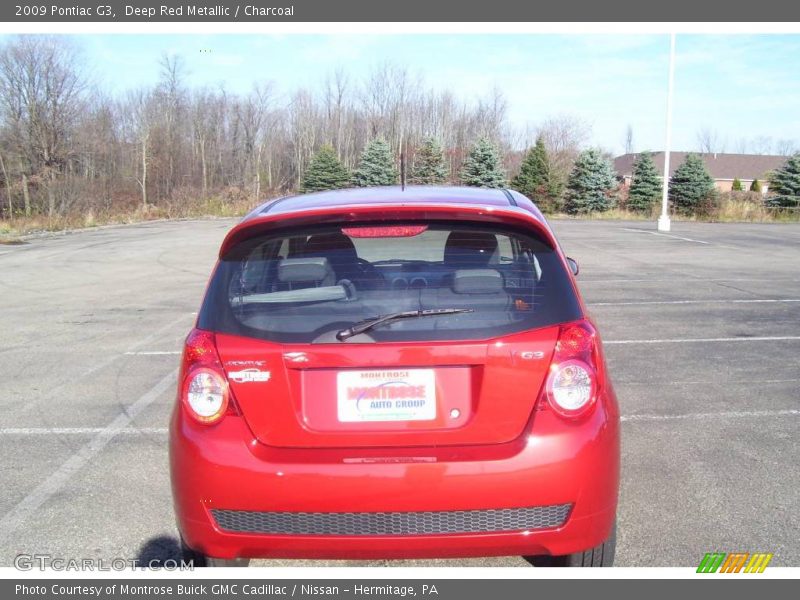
368	324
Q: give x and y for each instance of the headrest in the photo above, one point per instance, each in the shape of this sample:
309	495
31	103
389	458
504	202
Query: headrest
296	270
477	281
323	244
469	248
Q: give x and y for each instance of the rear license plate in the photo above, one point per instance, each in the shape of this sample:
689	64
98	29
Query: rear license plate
386	395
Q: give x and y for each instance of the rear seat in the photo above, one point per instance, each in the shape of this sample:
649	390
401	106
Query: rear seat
480	289
297	273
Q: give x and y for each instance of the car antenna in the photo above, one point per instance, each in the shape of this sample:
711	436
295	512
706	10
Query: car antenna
402	171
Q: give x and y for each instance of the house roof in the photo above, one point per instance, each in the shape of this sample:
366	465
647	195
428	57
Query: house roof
720	166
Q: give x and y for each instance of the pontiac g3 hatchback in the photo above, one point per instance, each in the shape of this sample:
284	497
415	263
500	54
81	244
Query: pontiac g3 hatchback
387	373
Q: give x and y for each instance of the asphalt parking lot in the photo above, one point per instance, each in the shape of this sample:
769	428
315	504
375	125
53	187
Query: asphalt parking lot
702	334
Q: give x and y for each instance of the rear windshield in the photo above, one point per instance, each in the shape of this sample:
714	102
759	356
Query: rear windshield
304	286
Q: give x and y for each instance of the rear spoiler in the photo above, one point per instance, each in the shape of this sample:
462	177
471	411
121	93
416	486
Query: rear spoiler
342	215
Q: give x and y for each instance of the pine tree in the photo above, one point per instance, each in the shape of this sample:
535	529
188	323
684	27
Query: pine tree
429	166
533	179
590	183
482	166
376	166
691	186
325	172
646	185
737	186
755	186
785	183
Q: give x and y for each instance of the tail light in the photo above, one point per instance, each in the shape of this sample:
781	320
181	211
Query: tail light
572	385
204	391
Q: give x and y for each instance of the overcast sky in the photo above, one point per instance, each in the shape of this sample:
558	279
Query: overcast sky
741	86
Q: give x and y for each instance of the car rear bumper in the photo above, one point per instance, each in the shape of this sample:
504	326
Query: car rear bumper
553	491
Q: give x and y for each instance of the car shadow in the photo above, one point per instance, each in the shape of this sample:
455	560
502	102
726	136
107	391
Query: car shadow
156	551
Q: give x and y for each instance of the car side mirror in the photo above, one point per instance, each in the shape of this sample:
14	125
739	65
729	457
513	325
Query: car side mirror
573	266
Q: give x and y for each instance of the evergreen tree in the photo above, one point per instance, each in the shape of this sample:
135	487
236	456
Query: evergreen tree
785	183
429	166
590	182
482	166
376	166
325	172
533	179
691	186
755	186
737	186
646	184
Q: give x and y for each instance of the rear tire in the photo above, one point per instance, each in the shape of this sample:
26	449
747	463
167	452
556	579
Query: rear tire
199	559
599	556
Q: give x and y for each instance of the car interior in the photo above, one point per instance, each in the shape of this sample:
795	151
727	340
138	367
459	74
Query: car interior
309	284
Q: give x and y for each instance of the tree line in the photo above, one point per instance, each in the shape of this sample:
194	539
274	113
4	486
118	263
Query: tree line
692	190
68	146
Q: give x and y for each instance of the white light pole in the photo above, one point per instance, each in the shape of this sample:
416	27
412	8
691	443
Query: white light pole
663	220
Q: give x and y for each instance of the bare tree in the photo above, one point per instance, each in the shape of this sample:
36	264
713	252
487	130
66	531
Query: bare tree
41	94
629	139
564	136
142	112
742	146
785	147
709	141
762	144
204	124
166	145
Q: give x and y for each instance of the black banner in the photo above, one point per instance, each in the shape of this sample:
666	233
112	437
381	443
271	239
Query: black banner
405	11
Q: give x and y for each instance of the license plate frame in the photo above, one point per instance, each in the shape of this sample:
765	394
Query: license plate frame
386	395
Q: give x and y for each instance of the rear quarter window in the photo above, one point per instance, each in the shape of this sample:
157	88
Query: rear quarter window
303	285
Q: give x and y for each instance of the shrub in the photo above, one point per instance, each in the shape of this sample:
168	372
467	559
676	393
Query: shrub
429	166
646	186
785	184
482	167
376	166
325	172
691	189
590	184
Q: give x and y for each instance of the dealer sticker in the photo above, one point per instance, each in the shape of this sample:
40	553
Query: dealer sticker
249	375
386	395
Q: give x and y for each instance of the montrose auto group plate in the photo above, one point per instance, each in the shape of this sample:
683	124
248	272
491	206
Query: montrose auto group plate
386	395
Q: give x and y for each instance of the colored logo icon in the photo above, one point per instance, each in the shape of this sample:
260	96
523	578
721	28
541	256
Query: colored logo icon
736	562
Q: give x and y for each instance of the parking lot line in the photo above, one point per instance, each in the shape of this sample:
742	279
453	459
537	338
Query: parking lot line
715	415
754	381
705	340
153	353
669	235
683	279
716	301
78	430
143	342
28	506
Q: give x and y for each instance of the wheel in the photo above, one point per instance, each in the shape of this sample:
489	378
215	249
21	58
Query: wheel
198	559
599	556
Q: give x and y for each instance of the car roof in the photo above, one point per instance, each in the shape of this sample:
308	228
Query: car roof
397	195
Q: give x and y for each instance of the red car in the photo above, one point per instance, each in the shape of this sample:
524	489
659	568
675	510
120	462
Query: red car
395	373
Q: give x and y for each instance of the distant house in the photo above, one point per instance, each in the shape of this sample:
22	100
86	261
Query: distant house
724	168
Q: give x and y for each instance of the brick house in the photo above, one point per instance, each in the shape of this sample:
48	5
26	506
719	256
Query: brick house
724	168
